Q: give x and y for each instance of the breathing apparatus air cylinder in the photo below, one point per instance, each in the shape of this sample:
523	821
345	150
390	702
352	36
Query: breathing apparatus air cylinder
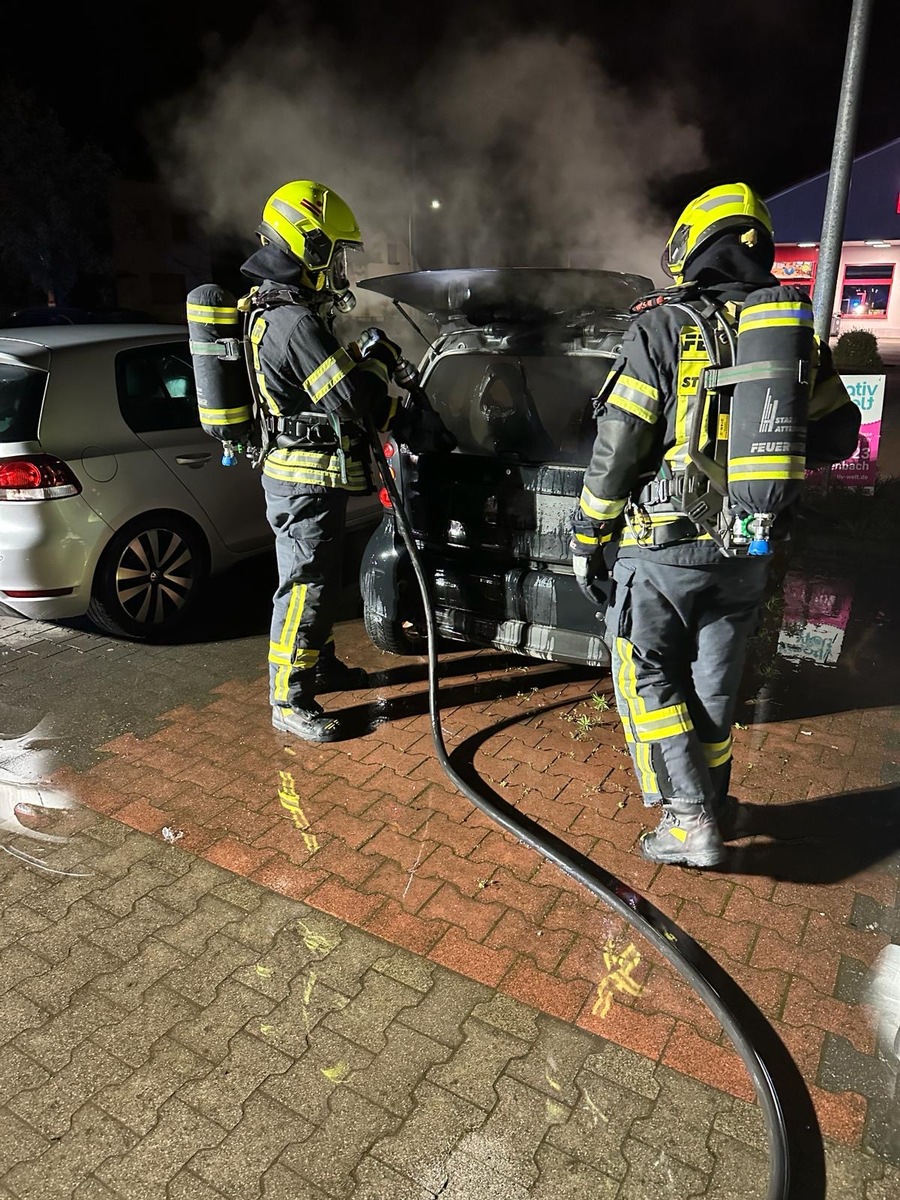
223	393
769	409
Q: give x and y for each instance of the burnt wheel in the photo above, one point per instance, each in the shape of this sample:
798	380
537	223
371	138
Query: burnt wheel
148	578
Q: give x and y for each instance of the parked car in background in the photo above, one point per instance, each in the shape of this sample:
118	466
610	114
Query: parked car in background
113	502
519	356
51	314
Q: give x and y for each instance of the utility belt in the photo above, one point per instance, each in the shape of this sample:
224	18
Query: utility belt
313	431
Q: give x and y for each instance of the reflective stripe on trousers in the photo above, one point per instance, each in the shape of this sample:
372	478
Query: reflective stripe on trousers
308	524
678	638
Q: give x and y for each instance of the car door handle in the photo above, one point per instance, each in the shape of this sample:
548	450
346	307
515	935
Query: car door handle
193	460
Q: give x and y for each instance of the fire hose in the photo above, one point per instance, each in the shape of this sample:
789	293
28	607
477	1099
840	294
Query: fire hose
763	1053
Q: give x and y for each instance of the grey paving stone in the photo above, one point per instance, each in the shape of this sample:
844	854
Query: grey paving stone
55	989
193	931
365	1018
329	1157
419	1149
188	1186
851	980
51	1043
394	1073
476	1066
128	983
18	1073
125	935
503	1012
882	1131
131	1035
744	1123
408	968
272	917
565	1178
654	1174
624	1066
221	1094
515	1127
138	1098
843	1069
202	976
50	1106
444	1008
20	922
19	1142
848	1171
328	1063
18	1013
92	1139
375	1181
177	1136
598	1126
886	1188
554	1060
739	1171
279	1183
211	1031
682	1118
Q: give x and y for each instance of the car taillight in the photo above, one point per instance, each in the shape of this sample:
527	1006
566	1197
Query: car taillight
385	497
388	449
36	477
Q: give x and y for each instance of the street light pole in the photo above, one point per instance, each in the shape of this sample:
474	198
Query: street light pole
832	236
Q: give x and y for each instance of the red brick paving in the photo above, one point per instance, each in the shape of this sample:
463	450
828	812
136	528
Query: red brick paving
402	854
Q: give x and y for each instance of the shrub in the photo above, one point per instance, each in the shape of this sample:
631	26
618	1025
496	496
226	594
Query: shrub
857	350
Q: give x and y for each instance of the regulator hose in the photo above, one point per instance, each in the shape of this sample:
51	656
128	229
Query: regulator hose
705	977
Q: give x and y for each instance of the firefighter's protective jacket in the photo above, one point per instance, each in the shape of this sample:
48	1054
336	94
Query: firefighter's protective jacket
304	376
642	424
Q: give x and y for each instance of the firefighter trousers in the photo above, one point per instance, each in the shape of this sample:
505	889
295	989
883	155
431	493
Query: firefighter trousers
308	523
678	639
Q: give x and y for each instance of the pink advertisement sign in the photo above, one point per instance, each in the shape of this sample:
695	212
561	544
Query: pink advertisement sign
860	471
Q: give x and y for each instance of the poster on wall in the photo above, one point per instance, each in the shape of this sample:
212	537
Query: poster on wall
801	269
815	617
860	470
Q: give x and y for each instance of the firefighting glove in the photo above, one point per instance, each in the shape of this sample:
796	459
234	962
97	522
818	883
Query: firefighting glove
586	546
375	343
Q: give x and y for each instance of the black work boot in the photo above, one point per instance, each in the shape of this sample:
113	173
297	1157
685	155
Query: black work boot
311	722
332	675
686	836
734	819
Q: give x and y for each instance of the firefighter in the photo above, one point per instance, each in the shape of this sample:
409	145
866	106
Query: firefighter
314	394
680	609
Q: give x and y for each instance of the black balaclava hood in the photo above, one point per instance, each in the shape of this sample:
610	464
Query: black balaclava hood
725	259
268	262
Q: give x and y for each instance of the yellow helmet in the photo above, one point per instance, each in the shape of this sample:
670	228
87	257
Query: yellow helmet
314	225
730	205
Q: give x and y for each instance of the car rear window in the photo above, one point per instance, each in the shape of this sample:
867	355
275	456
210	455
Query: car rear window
156	388
531	408
21	396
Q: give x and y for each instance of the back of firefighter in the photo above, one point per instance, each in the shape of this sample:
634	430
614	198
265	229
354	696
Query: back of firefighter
314	395
680	612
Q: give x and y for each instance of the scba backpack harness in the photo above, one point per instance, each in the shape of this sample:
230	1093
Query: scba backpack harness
746	398
224	331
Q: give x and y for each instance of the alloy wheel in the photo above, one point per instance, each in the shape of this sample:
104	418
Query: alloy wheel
155	575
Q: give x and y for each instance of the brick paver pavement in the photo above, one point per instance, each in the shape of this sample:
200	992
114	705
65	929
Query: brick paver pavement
171	1029
367	845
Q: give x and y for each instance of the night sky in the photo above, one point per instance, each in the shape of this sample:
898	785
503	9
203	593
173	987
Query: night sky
103	66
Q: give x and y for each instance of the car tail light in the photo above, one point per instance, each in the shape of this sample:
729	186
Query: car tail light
36	477
388	449
385	497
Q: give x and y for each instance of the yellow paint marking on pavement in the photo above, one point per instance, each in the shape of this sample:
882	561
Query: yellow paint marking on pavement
266	972
316	943
620	967
290	802
336	1073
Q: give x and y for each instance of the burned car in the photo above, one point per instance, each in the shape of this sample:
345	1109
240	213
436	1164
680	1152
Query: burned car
518	357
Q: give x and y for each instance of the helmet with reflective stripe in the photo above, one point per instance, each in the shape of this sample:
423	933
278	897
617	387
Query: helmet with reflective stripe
310	222
729	206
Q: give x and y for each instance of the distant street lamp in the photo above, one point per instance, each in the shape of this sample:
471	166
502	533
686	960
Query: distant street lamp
435	204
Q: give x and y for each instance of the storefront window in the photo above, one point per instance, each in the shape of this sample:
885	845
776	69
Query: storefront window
867	289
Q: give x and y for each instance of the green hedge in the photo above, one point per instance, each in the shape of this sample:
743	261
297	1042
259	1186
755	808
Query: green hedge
857	350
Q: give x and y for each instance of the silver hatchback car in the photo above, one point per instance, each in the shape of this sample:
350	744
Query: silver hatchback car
113	502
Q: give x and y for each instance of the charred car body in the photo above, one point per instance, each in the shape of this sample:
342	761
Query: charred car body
519	355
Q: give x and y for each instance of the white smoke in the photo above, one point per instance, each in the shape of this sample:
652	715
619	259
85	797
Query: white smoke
536	157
